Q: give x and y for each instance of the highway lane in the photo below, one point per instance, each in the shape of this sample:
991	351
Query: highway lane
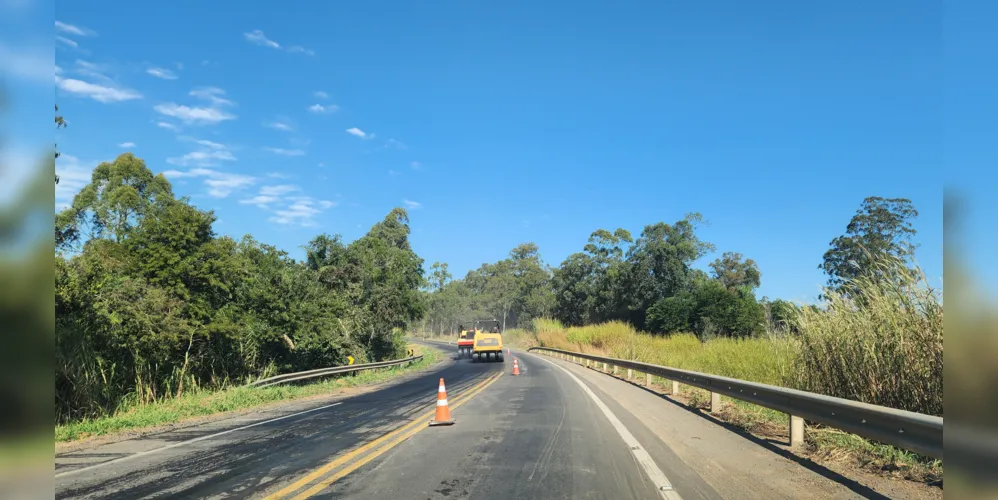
556	431
247	461
540	435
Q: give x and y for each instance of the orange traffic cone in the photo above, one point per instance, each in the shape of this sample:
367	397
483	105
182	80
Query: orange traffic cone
516	367
443	411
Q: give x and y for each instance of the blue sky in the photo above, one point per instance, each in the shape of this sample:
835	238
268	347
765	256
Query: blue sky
520	122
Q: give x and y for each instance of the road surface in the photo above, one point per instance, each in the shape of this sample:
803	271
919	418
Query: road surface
556	431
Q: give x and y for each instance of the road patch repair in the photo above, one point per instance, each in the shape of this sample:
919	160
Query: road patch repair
354	459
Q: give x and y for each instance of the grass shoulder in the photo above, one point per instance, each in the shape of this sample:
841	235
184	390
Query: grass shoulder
213	403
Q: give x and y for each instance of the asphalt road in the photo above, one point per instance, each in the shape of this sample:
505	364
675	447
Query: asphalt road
246	462
539	435
555	431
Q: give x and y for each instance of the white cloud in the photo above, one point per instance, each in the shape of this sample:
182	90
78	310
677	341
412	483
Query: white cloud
280	126
96	92
194	115
168	126
202	158
209	155
278	190
126	145
162	73
73	30
322	164
412	205
393	173
257	37
392	143
285	152
213	94
416	165
92	70
220	184
298	49
210	144
300	212
72	178
260	201
359	133
33	64
67	41
194	172
296	210
225	184
321	95
319	108
278	175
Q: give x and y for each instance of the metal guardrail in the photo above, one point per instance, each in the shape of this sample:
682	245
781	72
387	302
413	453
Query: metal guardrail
335	370
911	431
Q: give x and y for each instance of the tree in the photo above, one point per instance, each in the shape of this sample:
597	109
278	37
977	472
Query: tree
390	275
439	276
878	239
534	296
782	315
573	289
119	195
590	286
732	271
660	263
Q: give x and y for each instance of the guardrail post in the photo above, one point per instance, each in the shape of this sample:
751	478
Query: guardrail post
587	363
647	380
629	373
796	431
614	370
715	402
605	369
675	388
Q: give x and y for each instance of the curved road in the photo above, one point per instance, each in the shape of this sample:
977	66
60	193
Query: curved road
556	431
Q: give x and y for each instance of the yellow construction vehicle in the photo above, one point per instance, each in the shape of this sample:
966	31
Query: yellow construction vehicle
465	341
488	341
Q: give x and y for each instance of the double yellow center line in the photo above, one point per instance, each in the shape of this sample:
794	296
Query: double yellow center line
392	439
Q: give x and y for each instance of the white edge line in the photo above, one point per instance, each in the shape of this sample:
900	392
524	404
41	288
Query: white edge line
189	441
657	477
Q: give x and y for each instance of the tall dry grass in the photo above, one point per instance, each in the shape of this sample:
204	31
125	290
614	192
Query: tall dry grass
765	360
885	346
884	349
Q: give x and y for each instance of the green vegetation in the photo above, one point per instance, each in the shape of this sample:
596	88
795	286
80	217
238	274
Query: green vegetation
203	402
649	283
874	336
158	319
151	304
